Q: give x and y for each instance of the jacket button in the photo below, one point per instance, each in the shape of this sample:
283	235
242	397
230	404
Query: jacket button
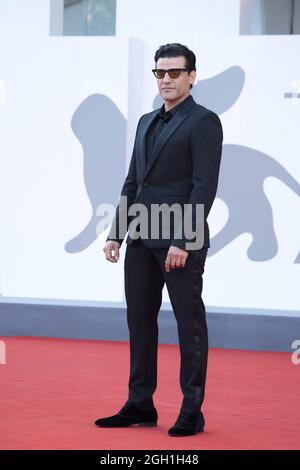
146	184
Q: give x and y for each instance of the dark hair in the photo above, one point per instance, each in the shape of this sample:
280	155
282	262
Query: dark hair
175	50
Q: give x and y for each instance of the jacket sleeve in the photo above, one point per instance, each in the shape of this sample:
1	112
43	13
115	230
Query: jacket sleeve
206	149
120	222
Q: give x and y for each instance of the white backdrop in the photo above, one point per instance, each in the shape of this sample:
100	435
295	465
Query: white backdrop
44	200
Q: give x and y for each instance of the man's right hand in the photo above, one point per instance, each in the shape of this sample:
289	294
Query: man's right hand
111	250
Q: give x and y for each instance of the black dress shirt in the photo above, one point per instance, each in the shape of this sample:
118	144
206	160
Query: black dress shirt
159	123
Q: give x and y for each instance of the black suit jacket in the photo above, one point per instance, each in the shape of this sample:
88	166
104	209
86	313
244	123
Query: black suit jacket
183	168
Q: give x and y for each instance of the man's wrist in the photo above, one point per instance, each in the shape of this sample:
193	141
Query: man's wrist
179	244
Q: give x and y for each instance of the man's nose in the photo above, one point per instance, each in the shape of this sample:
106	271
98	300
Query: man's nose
166	78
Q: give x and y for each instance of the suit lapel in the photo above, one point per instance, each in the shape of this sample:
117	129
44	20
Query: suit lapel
142	140
163	138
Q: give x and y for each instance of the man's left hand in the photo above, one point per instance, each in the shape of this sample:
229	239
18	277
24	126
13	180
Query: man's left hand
176	258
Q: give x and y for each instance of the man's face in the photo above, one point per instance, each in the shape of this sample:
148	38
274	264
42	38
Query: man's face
174	89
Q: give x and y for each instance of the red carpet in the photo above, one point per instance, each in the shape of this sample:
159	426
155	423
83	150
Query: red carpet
53	390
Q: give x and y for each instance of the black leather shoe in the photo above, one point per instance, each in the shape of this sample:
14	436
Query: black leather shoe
129	415
187	424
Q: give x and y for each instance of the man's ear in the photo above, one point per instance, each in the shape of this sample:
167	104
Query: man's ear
192	77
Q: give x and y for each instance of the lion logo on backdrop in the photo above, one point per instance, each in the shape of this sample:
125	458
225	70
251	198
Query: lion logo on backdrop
101	129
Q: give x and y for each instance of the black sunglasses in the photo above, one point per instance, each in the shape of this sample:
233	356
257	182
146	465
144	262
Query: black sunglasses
173	73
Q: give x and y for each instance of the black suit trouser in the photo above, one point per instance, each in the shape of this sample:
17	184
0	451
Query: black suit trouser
145	277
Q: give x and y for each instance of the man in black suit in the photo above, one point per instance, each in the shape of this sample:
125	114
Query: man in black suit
175	160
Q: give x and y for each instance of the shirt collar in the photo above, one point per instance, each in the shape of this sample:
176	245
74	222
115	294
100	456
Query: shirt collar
167	115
